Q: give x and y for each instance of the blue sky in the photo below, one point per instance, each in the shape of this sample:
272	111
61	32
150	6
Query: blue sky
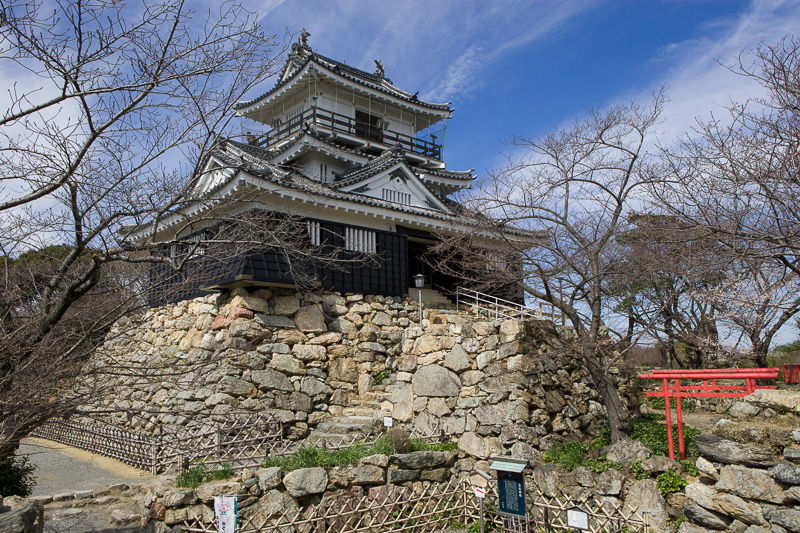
527	67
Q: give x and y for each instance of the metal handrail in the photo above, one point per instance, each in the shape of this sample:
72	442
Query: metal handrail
339	123
501	308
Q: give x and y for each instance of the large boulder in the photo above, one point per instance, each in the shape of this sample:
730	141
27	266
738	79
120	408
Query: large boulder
271	380
750	483
547	479
309	319
421	460
710	519
782	401
436	381
305	481
786	472
21	520
729	452
207	491
457	359
644	497
627	451
789	519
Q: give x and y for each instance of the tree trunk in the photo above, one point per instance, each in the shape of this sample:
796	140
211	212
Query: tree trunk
617	415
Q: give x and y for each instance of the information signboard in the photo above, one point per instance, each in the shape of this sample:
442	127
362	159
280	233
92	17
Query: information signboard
511	490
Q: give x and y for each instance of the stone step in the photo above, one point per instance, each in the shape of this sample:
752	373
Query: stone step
353	424
361	411
374	396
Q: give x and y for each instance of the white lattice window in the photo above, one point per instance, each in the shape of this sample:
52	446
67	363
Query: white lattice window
314	233
391	195
360	240
495	261
198	238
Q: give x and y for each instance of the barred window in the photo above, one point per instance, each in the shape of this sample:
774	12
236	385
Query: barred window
495	261
360	240
314	233
391	195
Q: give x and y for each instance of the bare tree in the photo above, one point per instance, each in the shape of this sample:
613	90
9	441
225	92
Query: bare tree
107	128
756	298
736	178
571	191
735	181
668	275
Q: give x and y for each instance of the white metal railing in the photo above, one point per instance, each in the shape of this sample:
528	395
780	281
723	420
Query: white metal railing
488	305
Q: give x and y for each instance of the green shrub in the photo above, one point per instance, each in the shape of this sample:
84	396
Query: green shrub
421	445
383	446
378	378
16	477
223	471
192	477
670	482
568	456
654	435
687	404
688	467
638	472
600	464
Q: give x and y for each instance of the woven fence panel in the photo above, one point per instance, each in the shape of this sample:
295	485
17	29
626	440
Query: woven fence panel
388	508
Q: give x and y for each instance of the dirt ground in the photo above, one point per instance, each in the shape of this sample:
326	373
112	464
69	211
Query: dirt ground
63	469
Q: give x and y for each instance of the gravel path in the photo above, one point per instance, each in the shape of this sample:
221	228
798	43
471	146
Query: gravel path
60	468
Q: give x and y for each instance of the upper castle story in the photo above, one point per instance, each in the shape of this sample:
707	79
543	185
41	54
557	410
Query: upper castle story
361	112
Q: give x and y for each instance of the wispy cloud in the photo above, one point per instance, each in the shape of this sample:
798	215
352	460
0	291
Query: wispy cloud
699	84
418	41
461	75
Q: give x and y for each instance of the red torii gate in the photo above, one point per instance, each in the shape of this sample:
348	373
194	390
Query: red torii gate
708	389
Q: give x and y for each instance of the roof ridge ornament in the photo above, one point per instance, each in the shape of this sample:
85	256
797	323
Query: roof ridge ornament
380	72
303	39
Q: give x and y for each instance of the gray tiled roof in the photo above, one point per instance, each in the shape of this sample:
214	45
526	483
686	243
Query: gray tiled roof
357	75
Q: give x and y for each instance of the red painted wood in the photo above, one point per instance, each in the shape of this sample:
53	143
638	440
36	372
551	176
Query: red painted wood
669	419
707	390
791	372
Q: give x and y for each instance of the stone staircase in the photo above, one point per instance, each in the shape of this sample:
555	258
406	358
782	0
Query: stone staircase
431	299
363	417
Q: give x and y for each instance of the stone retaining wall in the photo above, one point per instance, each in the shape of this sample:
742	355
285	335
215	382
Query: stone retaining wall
493	385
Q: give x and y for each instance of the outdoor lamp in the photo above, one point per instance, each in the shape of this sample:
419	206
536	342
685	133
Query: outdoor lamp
419	282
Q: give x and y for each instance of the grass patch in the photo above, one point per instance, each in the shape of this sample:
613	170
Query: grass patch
312	457
198	474
670	482
687	404
571	455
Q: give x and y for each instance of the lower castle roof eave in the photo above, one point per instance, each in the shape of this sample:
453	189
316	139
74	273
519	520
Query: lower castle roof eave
253	191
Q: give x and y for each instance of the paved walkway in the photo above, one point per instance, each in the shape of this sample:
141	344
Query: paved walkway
60	468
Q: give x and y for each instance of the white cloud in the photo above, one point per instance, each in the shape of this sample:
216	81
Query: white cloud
698	83
418	40
461	76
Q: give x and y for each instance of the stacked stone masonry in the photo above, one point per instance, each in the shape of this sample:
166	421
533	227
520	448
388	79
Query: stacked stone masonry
312	360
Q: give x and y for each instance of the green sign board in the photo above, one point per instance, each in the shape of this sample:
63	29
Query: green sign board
511	489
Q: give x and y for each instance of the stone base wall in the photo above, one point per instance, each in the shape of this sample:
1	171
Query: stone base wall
494	386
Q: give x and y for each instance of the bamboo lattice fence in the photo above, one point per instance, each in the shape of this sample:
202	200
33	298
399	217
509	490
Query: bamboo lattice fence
243	442
550	514
422	508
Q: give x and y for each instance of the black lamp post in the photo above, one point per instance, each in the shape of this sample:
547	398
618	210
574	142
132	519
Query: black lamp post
419	282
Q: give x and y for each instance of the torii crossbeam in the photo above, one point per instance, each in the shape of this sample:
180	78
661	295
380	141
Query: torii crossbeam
671	388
